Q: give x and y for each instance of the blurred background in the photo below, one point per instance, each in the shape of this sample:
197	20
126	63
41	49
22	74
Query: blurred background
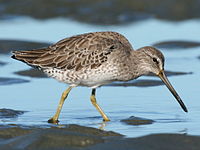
173	26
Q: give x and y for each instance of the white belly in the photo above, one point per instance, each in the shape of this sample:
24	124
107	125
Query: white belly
89	78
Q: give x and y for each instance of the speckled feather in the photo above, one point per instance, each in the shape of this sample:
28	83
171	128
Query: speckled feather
90	59
77	52
95	59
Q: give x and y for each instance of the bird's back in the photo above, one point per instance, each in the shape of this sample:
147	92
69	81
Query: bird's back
79	56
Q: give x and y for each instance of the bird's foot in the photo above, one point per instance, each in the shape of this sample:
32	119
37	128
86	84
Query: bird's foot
53	121
105	120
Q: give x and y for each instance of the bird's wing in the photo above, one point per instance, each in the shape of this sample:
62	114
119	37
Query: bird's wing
82	51
77	52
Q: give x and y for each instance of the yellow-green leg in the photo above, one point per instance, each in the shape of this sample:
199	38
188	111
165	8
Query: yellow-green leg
94	102
54	119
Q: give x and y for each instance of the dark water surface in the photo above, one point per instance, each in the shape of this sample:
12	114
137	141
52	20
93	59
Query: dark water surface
39	96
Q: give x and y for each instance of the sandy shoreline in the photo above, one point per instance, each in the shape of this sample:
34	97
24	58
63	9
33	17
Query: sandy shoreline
76	137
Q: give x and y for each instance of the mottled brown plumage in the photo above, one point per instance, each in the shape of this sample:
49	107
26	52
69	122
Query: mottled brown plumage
95	59
77	52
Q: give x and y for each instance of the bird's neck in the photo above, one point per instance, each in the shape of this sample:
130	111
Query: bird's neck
138	63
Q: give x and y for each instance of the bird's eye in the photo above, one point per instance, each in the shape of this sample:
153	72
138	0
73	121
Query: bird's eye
155	60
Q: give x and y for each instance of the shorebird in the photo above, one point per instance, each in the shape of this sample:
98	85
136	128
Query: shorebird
95	59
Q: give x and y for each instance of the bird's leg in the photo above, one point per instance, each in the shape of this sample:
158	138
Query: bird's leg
54	119
94	102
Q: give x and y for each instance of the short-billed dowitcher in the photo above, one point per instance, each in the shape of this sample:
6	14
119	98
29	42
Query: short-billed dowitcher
95	59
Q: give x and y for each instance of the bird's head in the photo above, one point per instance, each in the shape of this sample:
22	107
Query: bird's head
152	60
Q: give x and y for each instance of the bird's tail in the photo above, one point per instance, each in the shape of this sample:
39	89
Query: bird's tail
28	56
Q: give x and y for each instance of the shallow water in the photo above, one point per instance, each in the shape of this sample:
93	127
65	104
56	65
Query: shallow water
40	96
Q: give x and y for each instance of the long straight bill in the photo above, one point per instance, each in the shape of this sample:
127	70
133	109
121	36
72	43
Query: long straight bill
172	90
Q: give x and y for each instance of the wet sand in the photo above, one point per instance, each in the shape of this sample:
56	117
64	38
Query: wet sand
10	81
6	46
176	44
76	137
123	12
33	73
137	121
2	63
